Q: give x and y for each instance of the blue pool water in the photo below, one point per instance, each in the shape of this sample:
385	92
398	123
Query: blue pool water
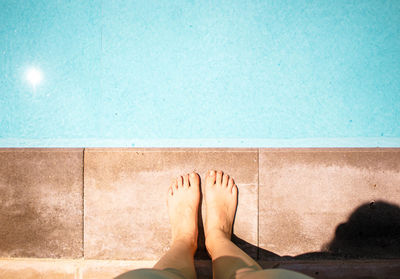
199	73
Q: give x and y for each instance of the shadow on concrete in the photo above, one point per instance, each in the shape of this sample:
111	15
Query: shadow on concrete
371	232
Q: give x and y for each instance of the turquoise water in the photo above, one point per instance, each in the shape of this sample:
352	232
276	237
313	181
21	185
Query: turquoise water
200	73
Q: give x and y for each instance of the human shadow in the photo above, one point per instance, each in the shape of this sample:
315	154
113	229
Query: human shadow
372	231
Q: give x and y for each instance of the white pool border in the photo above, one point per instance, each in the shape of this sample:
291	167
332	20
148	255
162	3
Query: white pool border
199	143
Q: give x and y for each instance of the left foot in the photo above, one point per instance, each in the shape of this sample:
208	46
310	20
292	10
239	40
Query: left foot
183	203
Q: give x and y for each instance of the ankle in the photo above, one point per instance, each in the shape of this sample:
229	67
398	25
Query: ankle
186	242
214	238
217	234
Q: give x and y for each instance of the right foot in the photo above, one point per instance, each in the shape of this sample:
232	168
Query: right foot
220	197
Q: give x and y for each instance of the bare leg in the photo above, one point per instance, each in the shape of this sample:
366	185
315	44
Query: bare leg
229	261
220	196
183	202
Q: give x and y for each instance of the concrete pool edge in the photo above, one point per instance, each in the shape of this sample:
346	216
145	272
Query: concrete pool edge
373	142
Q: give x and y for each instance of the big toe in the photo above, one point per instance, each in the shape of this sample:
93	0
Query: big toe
194	180
210	178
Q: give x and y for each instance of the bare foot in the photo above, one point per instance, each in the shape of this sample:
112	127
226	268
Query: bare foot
183	203
220	197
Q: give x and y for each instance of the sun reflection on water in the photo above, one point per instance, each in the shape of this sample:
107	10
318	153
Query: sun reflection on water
34	76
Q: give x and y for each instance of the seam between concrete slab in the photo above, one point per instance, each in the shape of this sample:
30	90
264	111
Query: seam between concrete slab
258	204
83	204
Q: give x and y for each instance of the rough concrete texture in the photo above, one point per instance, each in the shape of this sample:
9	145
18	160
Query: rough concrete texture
330	202
39	269
67	269
125	197
41	203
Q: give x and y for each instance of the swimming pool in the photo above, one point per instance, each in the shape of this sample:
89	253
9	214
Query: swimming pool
197	74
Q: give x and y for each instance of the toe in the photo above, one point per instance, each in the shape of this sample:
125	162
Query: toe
175	184
230	183
219	178
194	179
186	181
210	178
225	180
179	182
234	190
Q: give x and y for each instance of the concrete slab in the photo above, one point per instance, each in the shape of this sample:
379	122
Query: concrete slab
340	201
41	203
38	269
125	197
